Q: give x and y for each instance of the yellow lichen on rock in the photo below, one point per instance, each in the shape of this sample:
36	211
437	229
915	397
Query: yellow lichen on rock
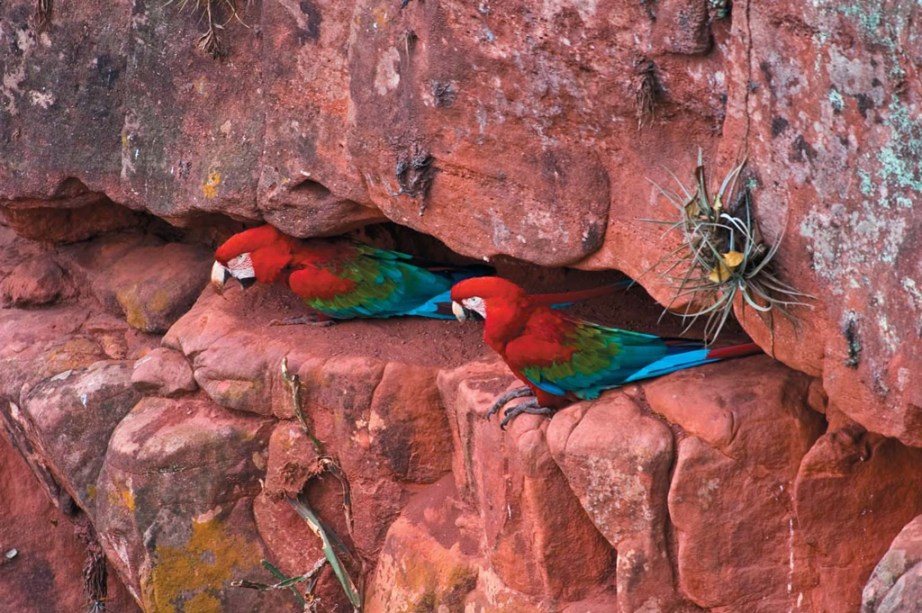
135	313
210	187
190	577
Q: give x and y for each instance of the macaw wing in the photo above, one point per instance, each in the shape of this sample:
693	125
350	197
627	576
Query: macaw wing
452	272
585	360
372	283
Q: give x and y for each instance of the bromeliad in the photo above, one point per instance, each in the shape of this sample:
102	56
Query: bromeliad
562	359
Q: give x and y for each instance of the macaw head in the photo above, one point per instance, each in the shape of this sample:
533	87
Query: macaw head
486	297
259	254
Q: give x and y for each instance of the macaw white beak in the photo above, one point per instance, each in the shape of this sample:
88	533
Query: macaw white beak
459	311
219	276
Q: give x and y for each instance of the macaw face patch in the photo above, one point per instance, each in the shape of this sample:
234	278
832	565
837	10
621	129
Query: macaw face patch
241	267
473	306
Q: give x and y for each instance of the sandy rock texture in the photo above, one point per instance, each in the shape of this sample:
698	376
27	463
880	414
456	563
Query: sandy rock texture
155	420
507	129
733	486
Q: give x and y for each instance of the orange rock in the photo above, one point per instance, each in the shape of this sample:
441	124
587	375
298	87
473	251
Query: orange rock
895	583
747	426
854	493
617	461
539	539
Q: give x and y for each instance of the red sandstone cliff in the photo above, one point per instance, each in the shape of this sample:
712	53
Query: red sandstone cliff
153	414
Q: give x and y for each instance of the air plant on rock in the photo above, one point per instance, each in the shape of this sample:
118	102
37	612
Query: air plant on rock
722	256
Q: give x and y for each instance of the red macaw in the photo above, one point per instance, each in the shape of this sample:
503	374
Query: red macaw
344	279
562	359
338	277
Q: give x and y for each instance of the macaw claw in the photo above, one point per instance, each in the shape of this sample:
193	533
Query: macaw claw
510	395
530	406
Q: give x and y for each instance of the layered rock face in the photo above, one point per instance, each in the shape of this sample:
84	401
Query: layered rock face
153	413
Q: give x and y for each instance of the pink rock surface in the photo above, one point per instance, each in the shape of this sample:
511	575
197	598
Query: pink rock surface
894	584
153	286
428	560
747	427
509	131
512	130
46	569
72	416
852	487
539	539
720	487
621	476
163	372
35	282
515	129
174	504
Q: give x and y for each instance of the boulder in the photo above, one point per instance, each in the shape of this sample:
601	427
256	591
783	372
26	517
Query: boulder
617	459
35	282
174	505
746	427
163	372
896	581
855	491
153	286
537	535
71	416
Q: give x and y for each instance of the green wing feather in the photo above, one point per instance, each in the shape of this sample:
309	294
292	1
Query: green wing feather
592	358
386	285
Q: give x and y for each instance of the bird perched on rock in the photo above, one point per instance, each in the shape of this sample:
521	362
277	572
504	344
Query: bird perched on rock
562	359
338	277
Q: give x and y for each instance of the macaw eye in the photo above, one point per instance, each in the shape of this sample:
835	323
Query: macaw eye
241	267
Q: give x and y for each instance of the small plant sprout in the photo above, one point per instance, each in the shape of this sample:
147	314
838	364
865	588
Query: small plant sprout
722	256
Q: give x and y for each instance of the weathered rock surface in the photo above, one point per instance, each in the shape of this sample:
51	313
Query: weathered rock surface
853	486
186	458
163	372
35	282
174	504
895	583
735	468
72	415
429	560
539	539
503	130
617	459
153	286
45	572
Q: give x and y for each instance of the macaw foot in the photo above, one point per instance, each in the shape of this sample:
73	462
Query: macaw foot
303	320
530	406
510	395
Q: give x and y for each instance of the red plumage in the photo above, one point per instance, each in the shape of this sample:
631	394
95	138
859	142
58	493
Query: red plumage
561	358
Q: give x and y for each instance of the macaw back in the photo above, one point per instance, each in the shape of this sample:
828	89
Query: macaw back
350	280
575	359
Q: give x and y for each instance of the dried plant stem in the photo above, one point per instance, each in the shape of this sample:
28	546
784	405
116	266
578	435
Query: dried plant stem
211	42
